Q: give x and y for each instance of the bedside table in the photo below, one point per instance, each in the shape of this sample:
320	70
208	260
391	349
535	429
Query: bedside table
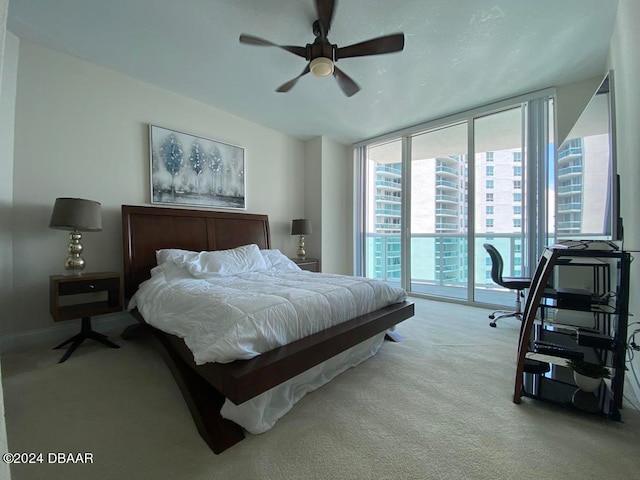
310	264
84	296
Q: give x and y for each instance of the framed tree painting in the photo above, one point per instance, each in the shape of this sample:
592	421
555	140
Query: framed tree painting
191	170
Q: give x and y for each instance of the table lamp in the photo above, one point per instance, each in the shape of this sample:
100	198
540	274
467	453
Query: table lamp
76	215
301	227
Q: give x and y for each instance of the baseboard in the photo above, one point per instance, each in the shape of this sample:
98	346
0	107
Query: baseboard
63	330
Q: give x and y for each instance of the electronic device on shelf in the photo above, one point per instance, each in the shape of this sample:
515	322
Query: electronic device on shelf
557	350
586	338
580	299
575	298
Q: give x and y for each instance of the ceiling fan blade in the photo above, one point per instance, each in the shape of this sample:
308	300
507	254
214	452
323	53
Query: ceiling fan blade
261	42
325	9
348	86
285	87
375	46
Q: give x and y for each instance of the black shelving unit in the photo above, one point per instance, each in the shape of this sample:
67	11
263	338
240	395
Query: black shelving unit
556	384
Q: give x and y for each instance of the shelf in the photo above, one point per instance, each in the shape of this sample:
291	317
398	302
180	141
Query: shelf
86	310
604	344
552	360
552	302
561	390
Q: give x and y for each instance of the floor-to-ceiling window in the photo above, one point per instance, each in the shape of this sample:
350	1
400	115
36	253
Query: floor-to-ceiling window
382	211
467	180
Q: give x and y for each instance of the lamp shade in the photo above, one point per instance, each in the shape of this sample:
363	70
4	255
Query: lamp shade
300	226
76	214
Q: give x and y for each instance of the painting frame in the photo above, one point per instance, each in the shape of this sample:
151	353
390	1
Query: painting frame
195	171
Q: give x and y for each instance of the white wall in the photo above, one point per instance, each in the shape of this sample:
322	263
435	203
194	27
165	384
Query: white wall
625	62
313	198
82	130
329	204
337	208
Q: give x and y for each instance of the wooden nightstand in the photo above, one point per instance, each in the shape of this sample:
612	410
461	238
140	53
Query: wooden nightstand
310	264
84	296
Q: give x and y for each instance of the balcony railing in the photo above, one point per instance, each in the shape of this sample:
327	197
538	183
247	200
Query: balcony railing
570	188
446	183
569	151
449	170
388	198
570	207
387	169
388	184
390	228
574	170
434	268
447	211
387	212
447	198
572	225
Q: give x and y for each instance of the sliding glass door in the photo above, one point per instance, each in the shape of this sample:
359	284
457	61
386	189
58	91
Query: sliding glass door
439	212
500	193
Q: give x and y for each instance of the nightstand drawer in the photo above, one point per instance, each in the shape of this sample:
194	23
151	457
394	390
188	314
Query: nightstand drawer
87	286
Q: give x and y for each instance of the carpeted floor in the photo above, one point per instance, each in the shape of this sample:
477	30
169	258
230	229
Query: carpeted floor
435	406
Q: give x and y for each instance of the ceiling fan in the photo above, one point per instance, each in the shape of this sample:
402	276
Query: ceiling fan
322	55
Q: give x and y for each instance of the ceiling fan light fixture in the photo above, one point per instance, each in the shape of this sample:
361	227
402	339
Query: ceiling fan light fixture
321	67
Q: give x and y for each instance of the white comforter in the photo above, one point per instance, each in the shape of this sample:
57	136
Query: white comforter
225	318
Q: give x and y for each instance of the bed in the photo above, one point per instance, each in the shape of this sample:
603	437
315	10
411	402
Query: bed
209	387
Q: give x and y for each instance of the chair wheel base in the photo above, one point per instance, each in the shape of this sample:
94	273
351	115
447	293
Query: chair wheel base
492	316
493	324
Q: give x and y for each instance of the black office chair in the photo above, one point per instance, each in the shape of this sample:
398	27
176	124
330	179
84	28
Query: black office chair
519	284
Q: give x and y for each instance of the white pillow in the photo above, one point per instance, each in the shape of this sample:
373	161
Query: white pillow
275	259
227	262
175	255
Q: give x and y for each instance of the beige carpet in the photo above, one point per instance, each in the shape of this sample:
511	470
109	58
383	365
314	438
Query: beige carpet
435	406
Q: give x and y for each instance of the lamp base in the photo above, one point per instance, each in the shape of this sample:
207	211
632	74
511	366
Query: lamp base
74	264
301	254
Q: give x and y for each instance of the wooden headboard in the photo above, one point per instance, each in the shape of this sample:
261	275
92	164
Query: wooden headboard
147	229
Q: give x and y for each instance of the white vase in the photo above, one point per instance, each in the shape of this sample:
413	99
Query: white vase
586	384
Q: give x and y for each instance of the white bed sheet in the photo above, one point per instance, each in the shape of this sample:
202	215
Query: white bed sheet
226	318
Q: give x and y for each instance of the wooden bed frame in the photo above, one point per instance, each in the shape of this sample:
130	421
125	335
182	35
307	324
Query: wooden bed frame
205	387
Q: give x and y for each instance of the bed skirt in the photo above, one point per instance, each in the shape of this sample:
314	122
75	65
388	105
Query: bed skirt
262	412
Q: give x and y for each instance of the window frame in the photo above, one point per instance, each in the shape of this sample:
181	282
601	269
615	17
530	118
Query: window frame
535	145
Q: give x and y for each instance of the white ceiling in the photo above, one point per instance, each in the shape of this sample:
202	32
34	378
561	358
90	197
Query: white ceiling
458	54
